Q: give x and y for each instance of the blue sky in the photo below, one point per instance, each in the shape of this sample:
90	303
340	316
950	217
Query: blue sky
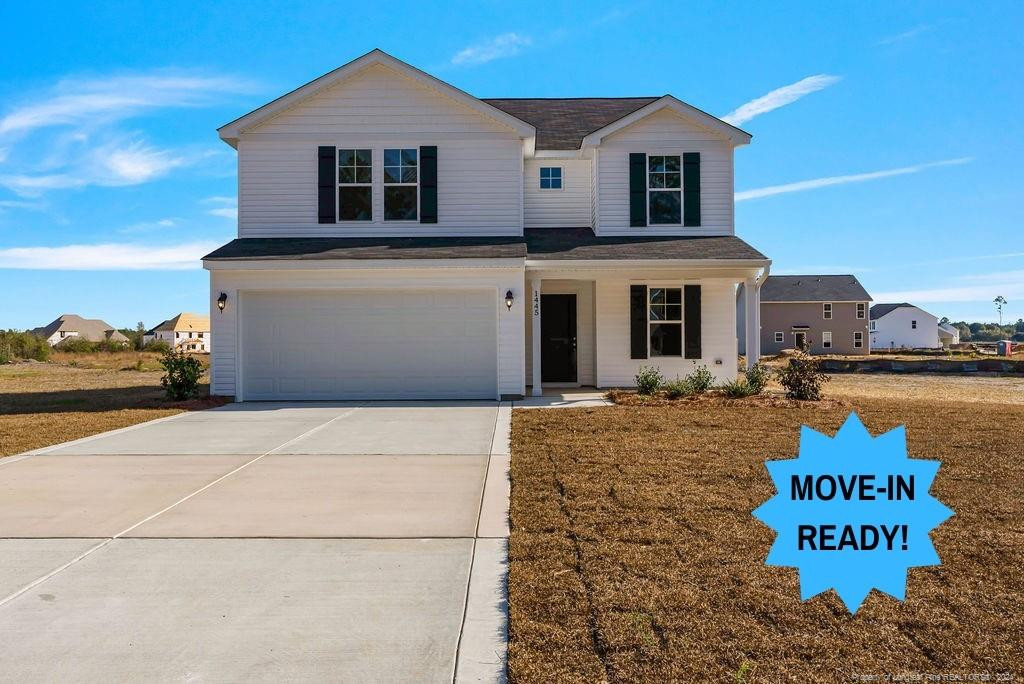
887	136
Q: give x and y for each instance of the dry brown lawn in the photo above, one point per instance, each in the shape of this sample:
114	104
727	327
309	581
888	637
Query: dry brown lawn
48	403
635	557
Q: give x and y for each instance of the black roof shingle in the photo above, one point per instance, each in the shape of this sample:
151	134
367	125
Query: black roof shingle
562	123
813	288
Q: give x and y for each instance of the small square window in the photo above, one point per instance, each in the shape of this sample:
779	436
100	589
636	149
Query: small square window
913	325
826	311
551	178
826	339
780	337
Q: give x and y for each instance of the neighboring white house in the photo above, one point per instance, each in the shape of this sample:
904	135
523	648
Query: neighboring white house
400	238
948	334
186	331
903	326
73	325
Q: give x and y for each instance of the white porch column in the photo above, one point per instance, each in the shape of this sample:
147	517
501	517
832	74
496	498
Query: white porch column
752	295
535	335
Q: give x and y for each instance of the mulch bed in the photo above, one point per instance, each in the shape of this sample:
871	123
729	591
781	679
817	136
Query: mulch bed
634	555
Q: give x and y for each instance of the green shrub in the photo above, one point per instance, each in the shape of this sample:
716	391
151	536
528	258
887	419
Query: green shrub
181	380
108	345
757	377
802	378
700	380
677	388
648	380
22	345
737	389
157	346
76	345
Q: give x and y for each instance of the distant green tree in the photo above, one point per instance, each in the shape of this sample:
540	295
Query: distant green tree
1000	302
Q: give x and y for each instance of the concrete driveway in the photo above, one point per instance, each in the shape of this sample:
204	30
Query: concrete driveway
325	541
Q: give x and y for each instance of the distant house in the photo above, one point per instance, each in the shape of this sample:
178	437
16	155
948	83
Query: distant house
948	334
186	331
903	326
72	325
823	314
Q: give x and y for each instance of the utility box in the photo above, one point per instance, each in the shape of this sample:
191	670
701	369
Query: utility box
1004	347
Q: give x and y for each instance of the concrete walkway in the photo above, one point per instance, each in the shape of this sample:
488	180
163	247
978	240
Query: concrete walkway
262	542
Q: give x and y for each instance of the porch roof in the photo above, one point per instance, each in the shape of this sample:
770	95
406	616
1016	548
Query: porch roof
581	243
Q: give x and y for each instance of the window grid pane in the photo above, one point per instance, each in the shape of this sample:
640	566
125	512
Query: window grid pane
400	166
665	305
354	167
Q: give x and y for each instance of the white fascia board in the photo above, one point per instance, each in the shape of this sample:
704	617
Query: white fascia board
815	301
357	264
558	154
645	264
231	131
736	136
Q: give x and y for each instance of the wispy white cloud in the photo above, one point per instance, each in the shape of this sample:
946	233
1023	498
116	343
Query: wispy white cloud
85	102
224	212
218	199
780	97
816	183
982	287
107	257
906	35
229	208
149	226
505	45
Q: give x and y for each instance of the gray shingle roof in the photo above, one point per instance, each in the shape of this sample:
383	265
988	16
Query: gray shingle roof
537	243
91	329
813	288
879	310
562	123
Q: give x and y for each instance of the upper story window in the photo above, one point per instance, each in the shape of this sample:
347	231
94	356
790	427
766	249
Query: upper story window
826	311
664	189
666	321
862	310
401	184
550	178
913	325
355	185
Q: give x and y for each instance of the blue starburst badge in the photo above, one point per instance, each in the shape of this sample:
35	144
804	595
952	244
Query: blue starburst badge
852	513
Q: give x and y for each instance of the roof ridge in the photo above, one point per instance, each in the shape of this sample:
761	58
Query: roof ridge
582	97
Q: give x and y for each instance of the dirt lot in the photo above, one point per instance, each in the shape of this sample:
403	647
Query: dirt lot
634	555
48	403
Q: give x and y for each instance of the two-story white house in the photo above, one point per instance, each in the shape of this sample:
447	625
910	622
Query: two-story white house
400	238
903	326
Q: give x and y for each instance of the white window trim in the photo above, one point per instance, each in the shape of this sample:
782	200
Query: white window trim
913	325
780	337
682	330
858	340
826	311
338	184
561	178
826	339
385	185
862	311
648	189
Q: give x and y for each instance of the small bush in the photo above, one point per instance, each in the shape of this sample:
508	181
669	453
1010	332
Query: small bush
802	378
678	388
22	345
76	345
110	346
757	377
737	389
649	380
181	380
158	346
700	380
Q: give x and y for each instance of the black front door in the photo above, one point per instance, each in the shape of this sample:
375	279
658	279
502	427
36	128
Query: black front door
558	338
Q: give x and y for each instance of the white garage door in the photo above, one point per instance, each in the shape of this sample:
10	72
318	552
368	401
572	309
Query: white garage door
369	344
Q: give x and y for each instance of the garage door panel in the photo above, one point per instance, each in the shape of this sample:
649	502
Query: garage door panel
370	344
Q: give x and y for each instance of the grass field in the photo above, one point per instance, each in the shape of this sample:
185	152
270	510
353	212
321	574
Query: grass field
634	555
48	403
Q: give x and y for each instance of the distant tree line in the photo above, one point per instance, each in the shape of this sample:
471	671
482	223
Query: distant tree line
988	332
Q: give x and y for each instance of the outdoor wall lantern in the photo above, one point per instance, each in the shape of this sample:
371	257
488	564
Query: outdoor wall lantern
222	300
509	299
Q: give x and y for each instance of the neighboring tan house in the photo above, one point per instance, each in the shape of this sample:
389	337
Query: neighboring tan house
823	314
186	331
903	326
72	325
949	334
400	238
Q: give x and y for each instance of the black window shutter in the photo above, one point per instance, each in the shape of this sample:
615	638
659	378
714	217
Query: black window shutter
691	189
428	184
638	321
638	192
691	322
326	187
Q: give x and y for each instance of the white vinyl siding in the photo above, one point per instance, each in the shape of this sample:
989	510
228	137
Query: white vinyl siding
665	133
718	331
479	161
895	330
568	207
